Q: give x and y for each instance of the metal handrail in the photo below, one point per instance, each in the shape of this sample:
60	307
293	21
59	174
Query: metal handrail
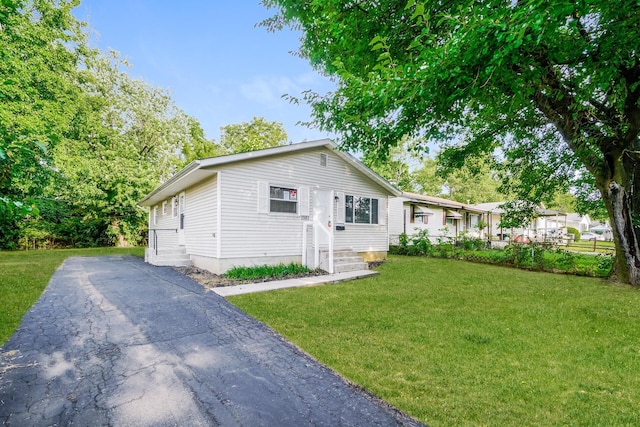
155	236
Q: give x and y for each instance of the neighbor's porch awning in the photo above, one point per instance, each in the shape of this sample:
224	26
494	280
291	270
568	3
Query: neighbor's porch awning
422	211
454	214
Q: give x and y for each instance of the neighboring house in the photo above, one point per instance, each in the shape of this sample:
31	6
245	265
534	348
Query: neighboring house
292	203
547	224
411	213
603	228
577	221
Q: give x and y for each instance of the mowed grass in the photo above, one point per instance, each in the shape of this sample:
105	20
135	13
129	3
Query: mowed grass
25	274
457	343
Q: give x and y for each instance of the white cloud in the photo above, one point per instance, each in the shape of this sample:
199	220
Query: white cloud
268	90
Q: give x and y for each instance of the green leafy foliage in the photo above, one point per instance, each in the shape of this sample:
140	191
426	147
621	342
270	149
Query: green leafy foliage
475	182
80	141
196	146
41	47
399	166
574	232
534	256
263	272
124	142
250	136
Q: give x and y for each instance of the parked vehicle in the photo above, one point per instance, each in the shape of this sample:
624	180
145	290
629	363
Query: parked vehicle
587	235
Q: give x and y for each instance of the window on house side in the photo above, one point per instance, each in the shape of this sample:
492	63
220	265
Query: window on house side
361	210
421	219
165	208
283	200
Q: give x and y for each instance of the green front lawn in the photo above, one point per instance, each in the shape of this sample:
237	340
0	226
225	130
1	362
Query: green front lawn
25	274
458	343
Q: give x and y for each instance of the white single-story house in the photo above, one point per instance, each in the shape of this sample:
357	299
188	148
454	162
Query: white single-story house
412	213
577	221
309	203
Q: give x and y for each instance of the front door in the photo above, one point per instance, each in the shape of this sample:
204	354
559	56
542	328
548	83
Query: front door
181	206
323	213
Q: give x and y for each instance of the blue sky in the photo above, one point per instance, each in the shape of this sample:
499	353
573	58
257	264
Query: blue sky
217	65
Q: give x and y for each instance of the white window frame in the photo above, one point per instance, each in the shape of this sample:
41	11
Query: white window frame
155	215
288	192
174	207
351	219
165	209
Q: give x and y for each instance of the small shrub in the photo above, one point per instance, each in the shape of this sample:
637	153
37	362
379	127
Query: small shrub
575	233
403	243
566	260
421	244
267	271
604	266
473	243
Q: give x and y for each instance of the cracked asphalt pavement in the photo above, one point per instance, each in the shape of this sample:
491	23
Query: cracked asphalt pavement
114	341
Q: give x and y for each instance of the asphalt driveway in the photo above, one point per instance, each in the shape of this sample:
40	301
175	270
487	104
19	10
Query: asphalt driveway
115	341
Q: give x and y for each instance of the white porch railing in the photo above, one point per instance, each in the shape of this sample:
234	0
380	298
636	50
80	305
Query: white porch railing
318	227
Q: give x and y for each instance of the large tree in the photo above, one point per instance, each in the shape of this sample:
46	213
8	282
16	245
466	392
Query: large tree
250	136
554	84
396	168
41	46
127	137
475	182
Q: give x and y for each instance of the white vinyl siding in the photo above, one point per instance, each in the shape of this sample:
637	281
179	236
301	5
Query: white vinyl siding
201	219
245	233
263	197
305	199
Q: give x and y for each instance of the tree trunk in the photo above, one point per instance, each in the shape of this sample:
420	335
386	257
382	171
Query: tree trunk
620	204
121	241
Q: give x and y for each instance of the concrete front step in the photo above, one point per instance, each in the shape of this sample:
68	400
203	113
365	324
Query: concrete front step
344	260
343	253
355	266
177	252
176	257
172	262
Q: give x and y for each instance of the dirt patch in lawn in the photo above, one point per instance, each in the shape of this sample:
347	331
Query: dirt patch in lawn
210	280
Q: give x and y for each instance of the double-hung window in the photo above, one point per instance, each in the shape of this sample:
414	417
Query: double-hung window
361	210
283	199
174	207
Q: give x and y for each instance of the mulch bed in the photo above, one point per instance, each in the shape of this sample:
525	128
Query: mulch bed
210	280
